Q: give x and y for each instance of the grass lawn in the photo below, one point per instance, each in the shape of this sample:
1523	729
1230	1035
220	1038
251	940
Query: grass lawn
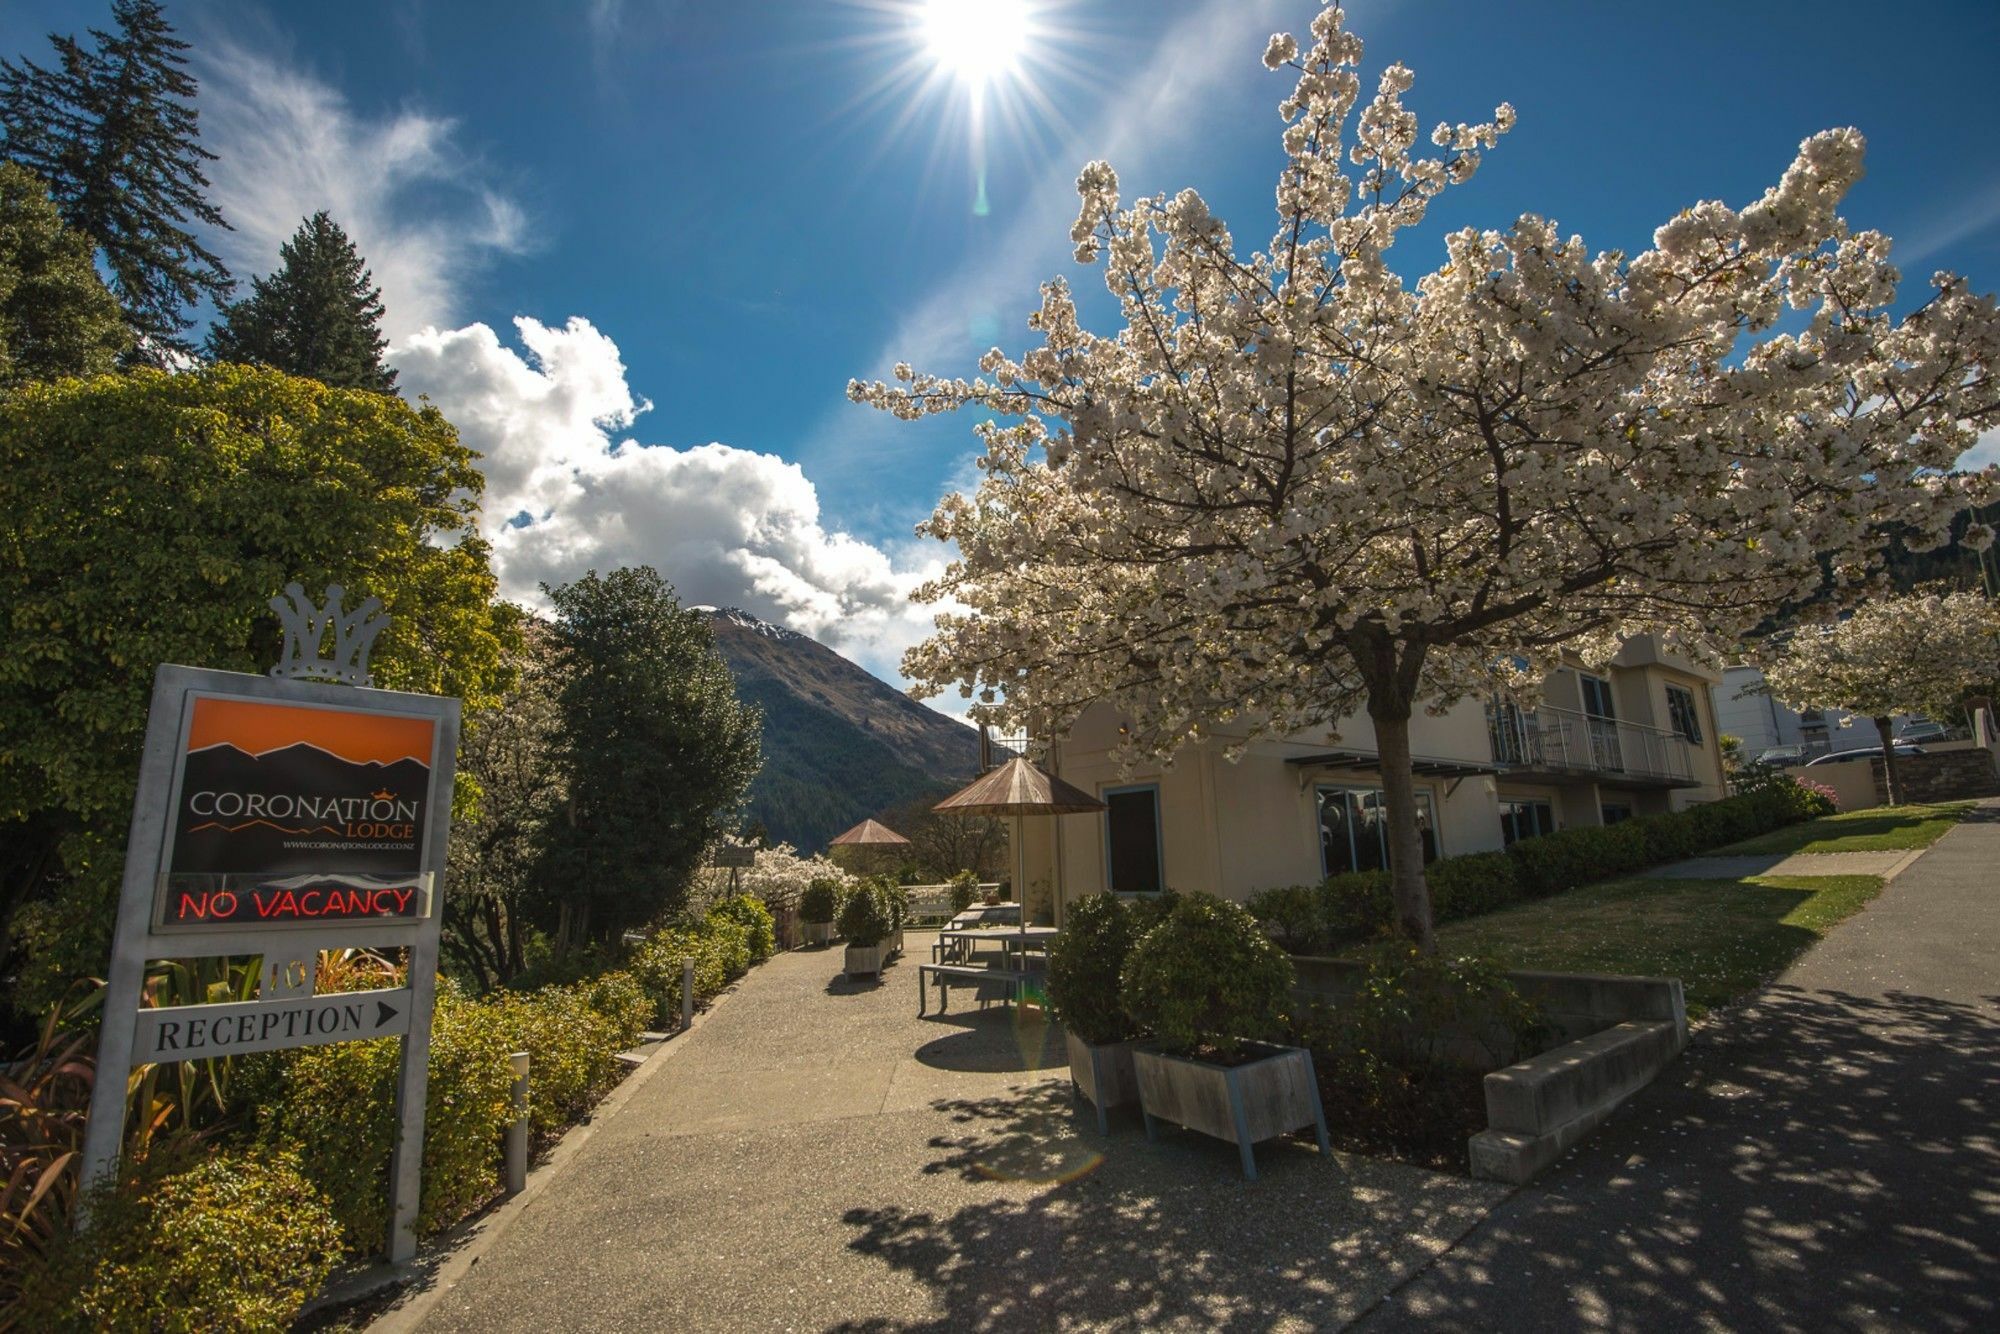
1722	938
1878	829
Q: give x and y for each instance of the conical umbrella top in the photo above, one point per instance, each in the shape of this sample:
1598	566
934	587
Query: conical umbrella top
869	834
1019	788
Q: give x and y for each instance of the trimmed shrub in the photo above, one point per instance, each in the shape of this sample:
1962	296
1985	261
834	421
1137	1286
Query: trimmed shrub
619	998
1086	963
1291	915
1473	884
749	912
1207	979
964	890
896	897
572	1047
820	901
1356	905
237	1240
729	940
656	963
865	918
337	1109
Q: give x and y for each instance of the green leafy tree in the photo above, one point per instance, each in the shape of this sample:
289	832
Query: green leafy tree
656	751
56	317
113	131
508	756
319	315
147	518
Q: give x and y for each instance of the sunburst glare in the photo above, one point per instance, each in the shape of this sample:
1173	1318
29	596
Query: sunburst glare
980	73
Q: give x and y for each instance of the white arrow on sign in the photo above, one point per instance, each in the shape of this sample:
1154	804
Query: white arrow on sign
189	1032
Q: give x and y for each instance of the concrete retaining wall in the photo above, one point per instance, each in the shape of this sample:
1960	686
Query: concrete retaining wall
1618	1033
1537	1108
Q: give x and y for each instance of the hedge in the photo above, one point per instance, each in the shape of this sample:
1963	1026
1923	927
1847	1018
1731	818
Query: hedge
720	946
1358	905
336	1108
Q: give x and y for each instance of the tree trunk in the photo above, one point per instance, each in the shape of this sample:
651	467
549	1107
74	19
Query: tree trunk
1890	778
1411	894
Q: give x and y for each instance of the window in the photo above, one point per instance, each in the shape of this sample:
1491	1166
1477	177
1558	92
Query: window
1597	696
1525	819
1354	829
1132	839
1680	708
1615	814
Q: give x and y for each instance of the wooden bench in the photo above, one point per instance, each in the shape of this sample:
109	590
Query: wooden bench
1015	980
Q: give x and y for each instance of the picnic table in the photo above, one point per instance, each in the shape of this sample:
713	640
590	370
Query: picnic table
961	944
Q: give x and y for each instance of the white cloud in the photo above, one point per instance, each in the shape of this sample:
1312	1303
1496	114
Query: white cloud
727	526
288	145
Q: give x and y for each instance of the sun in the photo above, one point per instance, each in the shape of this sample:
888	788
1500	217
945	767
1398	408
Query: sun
977	42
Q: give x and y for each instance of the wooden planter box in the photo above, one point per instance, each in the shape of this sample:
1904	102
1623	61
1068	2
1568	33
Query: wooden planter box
863	960
1243	1104
1103	1073
818	933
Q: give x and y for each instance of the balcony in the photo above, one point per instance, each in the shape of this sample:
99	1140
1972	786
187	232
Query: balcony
1564	743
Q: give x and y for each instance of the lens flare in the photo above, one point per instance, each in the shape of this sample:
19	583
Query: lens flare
976	40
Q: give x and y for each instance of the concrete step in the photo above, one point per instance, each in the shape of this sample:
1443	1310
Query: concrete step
1537	1095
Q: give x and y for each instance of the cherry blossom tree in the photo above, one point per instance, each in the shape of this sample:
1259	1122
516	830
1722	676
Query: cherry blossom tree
1924	653
1294	485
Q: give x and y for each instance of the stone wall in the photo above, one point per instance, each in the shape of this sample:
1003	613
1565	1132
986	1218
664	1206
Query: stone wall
1950	775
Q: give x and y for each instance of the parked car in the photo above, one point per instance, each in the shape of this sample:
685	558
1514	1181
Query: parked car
1780	757
1864	752
1916	732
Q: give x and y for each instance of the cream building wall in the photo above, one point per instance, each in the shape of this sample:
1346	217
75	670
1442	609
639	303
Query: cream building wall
1233	828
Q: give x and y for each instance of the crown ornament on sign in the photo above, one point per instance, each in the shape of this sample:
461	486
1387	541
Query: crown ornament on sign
306	628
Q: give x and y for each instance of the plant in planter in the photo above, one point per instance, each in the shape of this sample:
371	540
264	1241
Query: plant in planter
1213	990
964	891
865	921
817	906
896	898
1085	963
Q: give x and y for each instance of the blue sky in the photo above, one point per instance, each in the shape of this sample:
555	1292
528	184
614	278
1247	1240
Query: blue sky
743	216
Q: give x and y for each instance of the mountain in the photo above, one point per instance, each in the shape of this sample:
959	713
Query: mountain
839	745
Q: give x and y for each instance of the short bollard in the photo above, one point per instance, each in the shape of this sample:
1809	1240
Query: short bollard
687	994
517	1129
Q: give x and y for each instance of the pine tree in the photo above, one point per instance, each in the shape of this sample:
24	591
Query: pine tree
56	318
113	131
318	315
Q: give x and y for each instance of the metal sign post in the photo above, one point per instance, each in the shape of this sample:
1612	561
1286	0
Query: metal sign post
282	817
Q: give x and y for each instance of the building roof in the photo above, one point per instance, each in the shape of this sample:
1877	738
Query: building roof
868	834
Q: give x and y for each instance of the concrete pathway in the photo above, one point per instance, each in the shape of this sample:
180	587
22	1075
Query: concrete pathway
1827	1157
817	1157
1888	865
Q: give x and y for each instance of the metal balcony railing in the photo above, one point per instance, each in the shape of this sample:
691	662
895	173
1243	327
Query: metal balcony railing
1565	740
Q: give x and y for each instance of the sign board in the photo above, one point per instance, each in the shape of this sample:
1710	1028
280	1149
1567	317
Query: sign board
736	858
277	817
190	1032
296	815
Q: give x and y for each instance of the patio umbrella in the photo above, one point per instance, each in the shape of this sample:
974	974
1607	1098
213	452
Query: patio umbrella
869	834
1019	788
874	845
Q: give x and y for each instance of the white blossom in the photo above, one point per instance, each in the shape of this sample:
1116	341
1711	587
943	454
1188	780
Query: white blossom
1294	484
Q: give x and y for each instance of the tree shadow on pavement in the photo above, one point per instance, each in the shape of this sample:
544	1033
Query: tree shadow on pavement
1074	1229
1820	1160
